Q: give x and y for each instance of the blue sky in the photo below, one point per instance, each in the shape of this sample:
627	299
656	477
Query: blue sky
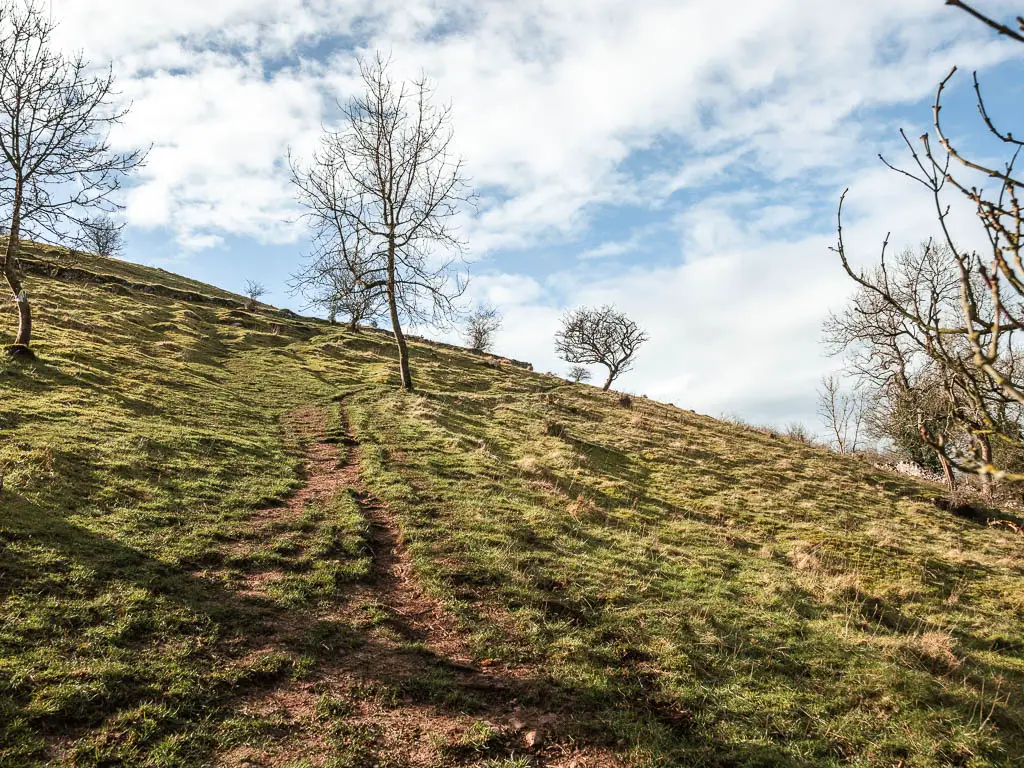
679	159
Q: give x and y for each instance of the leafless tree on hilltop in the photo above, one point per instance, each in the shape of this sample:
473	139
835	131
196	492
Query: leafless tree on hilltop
600	335
481	327
381	195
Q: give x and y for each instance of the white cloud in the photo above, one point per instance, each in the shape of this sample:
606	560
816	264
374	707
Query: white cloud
505	290
218	138
549	99
191	242
150	30
780	80
736	327
611	248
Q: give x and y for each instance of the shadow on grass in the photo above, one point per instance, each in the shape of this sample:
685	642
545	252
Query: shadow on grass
625	702
202	695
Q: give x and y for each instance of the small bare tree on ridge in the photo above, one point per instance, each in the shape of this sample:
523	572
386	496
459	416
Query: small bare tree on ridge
599	335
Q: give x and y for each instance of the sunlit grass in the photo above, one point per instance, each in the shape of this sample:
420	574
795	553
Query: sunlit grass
695	593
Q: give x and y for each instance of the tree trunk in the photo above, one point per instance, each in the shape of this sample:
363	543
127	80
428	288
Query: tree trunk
10	269
20	297
403	350
609	380
24	337
353	325
947	470
986	456
840	442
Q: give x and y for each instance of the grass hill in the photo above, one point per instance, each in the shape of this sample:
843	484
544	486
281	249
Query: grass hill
228	538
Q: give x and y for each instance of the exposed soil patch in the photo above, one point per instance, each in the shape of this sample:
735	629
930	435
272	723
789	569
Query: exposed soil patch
322	477
413	616
322	474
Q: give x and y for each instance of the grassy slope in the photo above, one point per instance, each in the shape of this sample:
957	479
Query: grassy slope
696	593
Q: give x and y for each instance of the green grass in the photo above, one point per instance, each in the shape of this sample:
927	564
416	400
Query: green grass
715	596
694	592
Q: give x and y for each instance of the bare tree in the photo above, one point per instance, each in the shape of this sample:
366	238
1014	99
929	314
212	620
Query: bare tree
381	195
56	164
253	291
917	379
980	344
328	282
795	430
579	373
351	300
601	335
909	420
102	235
481	327
841	413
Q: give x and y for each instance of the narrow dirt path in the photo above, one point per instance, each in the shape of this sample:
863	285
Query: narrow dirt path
309	427
409	692
413	614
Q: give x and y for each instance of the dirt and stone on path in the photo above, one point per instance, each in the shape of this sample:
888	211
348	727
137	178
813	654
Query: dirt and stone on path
407	690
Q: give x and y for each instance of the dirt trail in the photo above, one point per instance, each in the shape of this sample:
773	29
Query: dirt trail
308	426
410	690
391	583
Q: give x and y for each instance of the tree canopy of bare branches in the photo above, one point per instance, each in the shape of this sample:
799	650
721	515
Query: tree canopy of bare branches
841	412
381	195
481	326
253	291
969	332
923	389
579	373
102	235
56	163
599	335
335	287
349	298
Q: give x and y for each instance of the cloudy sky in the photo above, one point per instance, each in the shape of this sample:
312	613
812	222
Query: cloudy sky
679	158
